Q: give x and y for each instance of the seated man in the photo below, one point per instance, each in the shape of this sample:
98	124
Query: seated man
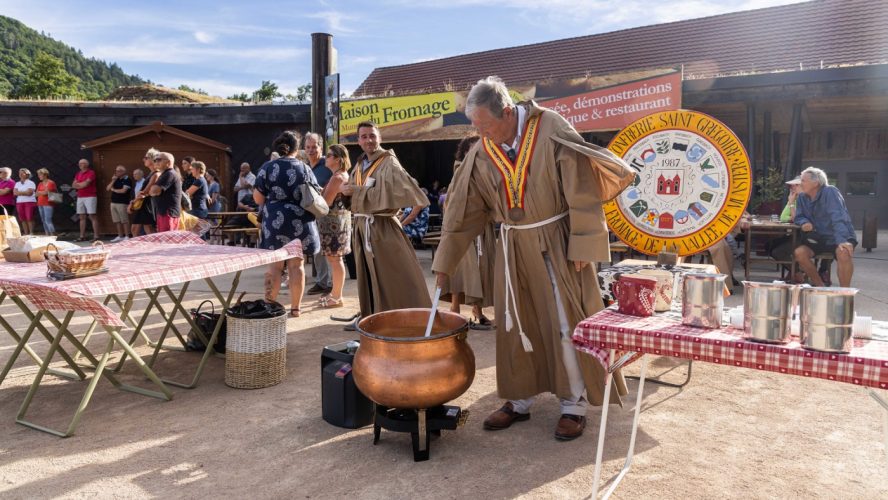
247	205
826	227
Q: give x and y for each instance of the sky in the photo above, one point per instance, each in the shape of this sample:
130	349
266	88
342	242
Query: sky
226	47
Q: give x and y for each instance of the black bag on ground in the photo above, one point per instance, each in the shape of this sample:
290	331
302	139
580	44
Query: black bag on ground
256	309
206	321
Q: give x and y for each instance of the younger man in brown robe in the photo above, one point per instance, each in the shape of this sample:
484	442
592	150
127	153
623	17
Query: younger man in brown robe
389	276
533	173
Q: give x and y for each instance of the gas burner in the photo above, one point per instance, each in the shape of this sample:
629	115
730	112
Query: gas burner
421	424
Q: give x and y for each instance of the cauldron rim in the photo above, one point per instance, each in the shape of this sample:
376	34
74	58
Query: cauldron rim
437	336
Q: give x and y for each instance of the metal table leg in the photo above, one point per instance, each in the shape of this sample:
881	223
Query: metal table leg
658	381
211	342
114	336
608	380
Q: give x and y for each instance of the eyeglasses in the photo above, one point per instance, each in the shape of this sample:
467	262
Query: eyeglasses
331	155
158	160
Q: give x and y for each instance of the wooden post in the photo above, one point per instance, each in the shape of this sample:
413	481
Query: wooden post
321	66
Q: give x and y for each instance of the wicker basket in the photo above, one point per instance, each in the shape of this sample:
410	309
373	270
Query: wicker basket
76	261
255	352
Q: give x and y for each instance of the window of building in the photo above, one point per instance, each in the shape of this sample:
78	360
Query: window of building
861	184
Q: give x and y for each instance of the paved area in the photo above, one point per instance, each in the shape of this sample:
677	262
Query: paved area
730	433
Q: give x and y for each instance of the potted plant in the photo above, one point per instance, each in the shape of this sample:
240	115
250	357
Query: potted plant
768	197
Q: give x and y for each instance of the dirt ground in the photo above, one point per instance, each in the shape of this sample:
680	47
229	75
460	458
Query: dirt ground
733	433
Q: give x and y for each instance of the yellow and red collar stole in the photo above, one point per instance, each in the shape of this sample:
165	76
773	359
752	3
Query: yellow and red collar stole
360	176
515	174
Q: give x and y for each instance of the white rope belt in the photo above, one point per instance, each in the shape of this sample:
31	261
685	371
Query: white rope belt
511	303
368	219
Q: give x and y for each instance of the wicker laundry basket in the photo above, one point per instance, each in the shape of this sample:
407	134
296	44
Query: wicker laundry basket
256	352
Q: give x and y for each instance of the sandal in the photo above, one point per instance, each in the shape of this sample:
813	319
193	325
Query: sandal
294	312
330	303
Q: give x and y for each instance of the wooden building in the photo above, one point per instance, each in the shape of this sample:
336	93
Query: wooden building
127	148
801	84
51	134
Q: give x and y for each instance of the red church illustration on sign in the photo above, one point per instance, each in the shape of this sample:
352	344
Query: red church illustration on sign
669	186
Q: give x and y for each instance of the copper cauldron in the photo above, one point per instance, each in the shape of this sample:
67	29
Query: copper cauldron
396	366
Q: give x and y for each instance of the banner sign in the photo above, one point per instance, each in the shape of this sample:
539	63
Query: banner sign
440	116
419	110
615	107
331	108
693	183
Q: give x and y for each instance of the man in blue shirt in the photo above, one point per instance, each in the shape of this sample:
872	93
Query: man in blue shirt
826	227
314	149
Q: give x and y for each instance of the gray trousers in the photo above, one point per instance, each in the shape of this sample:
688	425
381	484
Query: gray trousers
323	277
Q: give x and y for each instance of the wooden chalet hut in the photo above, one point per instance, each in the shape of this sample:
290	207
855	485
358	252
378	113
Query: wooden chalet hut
127	148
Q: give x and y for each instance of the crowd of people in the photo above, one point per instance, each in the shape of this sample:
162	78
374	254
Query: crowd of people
549	218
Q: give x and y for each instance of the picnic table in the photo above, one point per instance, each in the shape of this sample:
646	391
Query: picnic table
616	340
149	264
770	230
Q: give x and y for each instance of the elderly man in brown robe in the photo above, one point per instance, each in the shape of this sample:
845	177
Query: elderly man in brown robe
533	173
389	276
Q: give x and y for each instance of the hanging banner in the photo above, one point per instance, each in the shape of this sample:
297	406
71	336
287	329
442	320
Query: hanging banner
615	107
418	112
331	108
693	183
589	104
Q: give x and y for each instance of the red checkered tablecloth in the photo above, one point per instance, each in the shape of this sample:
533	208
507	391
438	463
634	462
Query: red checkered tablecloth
865	365
140	263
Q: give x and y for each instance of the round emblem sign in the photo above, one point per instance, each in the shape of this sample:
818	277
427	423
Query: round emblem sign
692	185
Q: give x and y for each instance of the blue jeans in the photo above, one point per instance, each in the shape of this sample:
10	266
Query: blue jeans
322	270
46	216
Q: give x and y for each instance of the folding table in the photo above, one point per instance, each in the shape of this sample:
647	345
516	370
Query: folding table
616	340
149	264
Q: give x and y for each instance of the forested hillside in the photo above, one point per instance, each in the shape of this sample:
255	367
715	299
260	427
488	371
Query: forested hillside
20	45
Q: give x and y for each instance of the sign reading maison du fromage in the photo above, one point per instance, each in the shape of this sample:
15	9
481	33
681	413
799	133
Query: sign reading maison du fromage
692	186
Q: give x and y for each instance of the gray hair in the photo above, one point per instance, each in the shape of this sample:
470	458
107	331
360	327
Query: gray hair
7	170
26	171
317	137
817	175
490	93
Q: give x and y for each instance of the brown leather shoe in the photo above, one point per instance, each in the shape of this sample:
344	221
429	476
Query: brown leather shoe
504	417
570	427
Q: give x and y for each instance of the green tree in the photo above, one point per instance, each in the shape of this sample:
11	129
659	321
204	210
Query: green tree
243	97
48	78
267	92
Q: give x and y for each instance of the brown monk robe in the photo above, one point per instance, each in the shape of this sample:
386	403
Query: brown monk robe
473	277
389	276
559	180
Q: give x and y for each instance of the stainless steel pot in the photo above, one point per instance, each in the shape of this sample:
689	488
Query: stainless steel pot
767	311
827	318
703	299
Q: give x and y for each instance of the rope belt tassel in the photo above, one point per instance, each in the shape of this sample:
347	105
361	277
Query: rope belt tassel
511	302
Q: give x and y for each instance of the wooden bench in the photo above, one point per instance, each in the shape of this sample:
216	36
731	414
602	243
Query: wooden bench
248	236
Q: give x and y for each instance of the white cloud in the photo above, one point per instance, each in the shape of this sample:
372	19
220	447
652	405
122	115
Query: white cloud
167	51
337	22
204	37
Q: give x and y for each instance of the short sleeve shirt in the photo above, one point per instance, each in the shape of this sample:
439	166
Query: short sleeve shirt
168	202
120	183
90	190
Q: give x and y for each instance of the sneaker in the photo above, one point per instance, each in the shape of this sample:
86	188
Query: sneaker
825	277
115	240
316	290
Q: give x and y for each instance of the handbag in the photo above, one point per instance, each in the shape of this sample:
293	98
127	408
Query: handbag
206	321
9	228
312	200
137	204
55	197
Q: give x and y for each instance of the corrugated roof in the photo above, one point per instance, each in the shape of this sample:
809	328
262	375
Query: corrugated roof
821	33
